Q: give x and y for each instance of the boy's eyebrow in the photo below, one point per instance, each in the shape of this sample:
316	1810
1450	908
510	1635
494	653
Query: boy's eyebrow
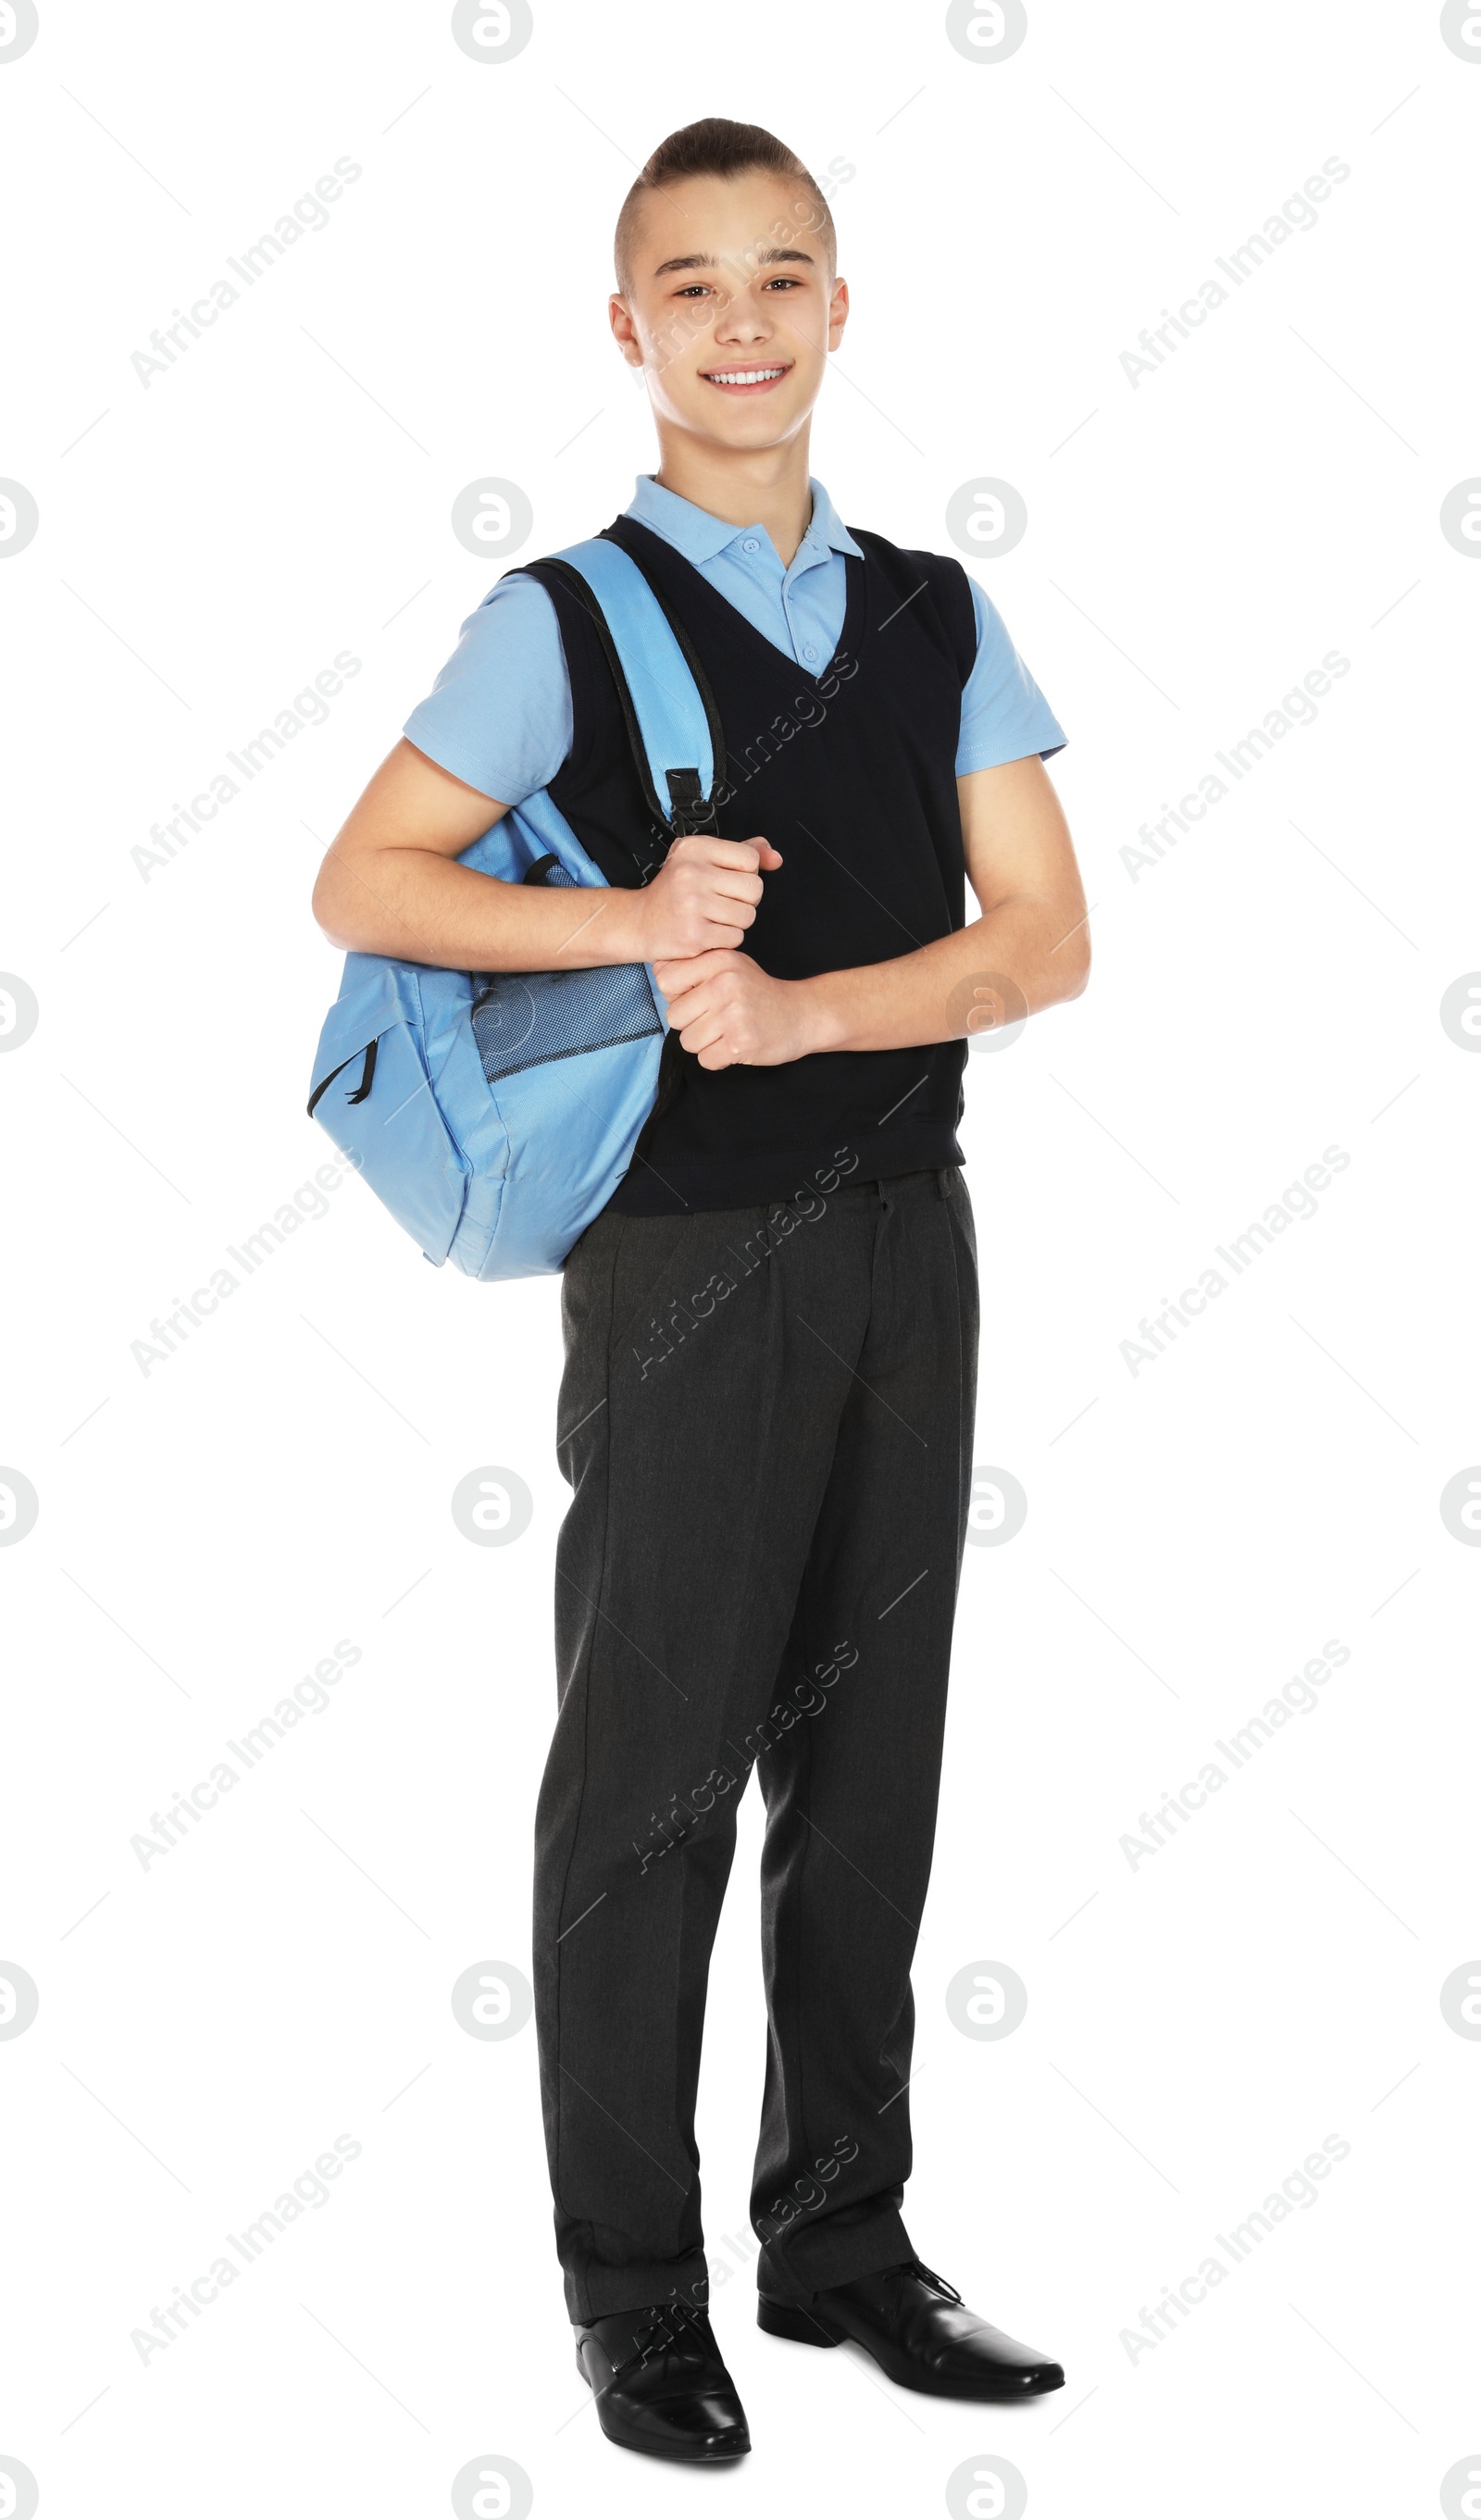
711	262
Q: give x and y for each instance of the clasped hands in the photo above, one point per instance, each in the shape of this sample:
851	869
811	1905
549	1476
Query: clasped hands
691	923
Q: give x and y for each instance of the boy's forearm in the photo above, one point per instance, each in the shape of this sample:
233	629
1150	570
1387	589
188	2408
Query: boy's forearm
422	907
954	986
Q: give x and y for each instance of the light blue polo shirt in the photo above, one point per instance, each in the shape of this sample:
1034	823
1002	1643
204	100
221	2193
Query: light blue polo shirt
499	714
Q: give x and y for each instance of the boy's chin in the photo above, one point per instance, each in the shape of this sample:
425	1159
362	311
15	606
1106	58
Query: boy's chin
730	424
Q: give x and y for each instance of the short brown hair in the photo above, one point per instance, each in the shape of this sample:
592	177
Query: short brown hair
716	147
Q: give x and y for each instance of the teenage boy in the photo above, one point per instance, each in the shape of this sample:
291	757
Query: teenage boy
770	1330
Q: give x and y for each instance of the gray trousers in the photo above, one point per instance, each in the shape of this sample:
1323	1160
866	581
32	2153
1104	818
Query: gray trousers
766	1420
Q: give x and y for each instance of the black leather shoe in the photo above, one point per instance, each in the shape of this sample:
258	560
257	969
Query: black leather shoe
660	2384
918	2332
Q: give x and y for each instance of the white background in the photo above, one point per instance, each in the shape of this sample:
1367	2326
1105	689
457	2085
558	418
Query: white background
1196	1530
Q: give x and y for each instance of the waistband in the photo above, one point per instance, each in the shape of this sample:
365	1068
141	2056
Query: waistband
890	1187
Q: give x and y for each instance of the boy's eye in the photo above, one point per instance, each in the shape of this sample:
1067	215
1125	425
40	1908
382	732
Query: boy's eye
701	287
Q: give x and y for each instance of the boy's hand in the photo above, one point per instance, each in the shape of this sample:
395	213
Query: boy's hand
702	899
732	1013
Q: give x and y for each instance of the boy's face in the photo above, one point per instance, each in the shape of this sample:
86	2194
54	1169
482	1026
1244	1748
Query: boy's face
732	310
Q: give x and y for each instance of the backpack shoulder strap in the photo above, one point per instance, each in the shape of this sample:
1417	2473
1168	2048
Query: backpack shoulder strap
668	708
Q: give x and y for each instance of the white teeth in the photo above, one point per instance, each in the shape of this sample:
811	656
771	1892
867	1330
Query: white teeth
744	376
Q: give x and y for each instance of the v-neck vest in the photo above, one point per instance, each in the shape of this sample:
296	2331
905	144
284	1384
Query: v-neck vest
850	773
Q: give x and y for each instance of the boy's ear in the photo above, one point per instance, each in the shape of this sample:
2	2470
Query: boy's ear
837	313
624	330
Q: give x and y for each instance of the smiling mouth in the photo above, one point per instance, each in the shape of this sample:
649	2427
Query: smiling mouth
744	381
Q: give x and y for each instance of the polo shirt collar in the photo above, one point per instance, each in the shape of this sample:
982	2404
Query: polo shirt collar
700	537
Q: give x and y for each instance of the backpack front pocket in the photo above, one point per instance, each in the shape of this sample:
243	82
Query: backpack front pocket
380	1110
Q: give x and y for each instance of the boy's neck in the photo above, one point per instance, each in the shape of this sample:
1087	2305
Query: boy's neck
769	487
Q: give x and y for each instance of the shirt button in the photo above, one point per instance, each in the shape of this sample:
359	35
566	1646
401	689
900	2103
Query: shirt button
750	544
810	655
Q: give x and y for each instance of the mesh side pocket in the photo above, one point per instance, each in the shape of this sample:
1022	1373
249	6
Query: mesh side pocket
525	1018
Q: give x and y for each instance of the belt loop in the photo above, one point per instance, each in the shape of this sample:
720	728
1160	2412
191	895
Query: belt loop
944	1183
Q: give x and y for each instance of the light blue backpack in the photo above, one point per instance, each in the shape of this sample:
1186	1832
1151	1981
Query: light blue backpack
494	1113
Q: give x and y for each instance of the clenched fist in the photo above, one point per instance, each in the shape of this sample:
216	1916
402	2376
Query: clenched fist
702	899
730	1013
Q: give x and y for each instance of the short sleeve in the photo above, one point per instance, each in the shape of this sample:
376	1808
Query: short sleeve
1004	716
499	714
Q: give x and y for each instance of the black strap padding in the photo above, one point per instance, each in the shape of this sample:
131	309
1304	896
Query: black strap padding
572	579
